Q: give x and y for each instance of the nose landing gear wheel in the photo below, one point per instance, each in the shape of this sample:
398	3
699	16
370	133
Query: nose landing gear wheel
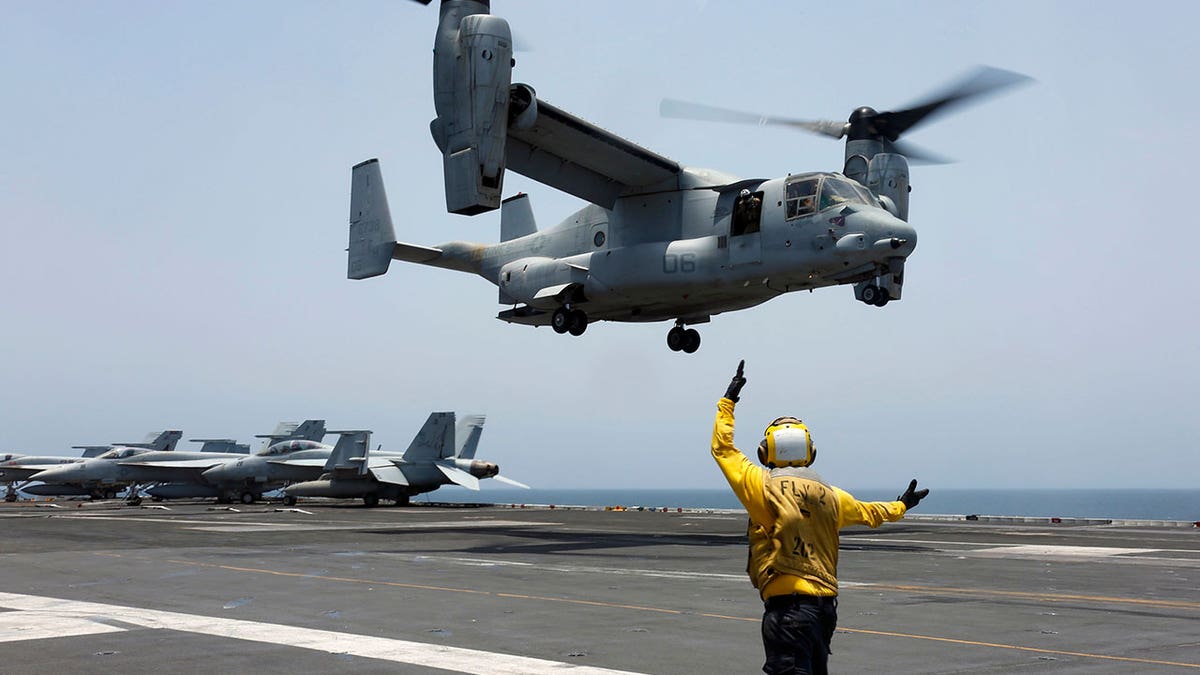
680	339
247	497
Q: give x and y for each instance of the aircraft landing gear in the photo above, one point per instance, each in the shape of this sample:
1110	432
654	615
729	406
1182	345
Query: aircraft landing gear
874	295
401	500
683	340
10	495
248	497
289	500
567	320
371	500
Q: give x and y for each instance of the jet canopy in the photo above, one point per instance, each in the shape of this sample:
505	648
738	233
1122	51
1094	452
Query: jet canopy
808	193
122	453
287	447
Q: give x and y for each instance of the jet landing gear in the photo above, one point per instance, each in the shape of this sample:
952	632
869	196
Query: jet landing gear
874	295
567	320
683	340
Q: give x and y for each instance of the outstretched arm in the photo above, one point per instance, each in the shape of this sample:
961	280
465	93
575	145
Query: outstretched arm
743	475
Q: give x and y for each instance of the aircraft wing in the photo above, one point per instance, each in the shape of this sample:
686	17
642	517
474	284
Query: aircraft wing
181	463
298	462
579	158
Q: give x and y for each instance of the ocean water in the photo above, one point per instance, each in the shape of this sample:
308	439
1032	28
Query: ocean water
1075	503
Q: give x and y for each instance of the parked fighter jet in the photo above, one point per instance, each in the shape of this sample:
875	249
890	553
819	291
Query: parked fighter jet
204	479
32	468
660	241
441	453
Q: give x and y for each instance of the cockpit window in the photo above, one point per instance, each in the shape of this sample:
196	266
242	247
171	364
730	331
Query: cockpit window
837	191
800	198
285	447
121	453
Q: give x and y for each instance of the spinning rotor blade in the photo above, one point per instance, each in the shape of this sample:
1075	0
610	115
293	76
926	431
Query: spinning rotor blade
982	82
685	110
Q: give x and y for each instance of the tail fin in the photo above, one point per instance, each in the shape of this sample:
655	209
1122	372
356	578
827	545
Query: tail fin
222	445
309	430
162	441
372	237
350	453
92	450
466	436
516	218
434	441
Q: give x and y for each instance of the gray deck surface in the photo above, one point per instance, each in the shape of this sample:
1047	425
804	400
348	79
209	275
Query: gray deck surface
195	589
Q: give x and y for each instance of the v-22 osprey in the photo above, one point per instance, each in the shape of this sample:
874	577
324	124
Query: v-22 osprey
659	241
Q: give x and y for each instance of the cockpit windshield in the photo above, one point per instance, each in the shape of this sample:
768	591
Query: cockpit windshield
121	453
289	446
802	196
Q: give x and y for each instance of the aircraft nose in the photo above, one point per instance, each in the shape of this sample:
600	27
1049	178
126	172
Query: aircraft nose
54	475
879	232
216	473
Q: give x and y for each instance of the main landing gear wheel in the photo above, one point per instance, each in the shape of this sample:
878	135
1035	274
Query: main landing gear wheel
578	322
560	321
573	321
247	497
371	500
684	340
289	500
402	500
874	295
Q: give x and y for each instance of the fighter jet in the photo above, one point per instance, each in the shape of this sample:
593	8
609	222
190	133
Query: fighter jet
200	478
31	469
441	453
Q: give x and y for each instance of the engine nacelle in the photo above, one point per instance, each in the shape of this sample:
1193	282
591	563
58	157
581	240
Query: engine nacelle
887	176
477	467
472	72
545	283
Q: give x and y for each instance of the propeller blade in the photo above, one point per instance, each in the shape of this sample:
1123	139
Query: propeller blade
981	82
510	481
687	110
915	154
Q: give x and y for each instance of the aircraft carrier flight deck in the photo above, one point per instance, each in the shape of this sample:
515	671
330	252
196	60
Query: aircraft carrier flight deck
336	587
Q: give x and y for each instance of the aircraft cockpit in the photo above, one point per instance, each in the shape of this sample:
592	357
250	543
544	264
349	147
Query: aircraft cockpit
806	194
287	447
122	453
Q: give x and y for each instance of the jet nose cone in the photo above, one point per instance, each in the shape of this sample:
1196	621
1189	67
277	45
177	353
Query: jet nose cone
216	473
54	475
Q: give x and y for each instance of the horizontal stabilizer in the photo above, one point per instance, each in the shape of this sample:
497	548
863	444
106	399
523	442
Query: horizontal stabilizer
389	473
372	236
415	254
458	476
511	482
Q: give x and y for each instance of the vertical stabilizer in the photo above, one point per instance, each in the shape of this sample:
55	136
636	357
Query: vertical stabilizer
309	430
516	218
434	441
350	453
162	441
227	445
372	237
466	436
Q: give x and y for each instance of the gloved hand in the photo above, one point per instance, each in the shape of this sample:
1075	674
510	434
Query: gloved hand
736	384
912	496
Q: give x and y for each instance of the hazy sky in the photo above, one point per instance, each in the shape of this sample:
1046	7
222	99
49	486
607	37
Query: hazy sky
174	188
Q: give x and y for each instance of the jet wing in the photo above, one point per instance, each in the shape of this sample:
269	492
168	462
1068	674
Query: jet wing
181	463
579	158
298	462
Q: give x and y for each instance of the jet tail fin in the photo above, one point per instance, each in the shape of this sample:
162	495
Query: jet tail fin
466	436
372	236
92	450
516	218
350	454
227	445
435	439
162	441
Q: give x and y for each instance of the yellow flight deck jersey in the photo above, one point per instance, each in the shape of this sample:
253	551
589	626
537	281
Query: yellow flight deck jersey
801	513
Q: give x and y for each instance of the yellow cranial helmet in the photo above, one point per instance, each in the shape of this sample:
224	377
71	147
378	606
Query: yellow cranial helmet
786	442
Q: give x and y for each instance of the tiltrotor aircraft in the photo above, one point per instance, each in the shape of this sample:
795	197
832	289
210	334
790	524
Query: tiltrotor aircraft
660	241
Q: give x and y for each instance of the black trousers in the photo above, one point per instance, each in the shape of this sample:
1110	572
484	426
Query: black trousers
796	630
